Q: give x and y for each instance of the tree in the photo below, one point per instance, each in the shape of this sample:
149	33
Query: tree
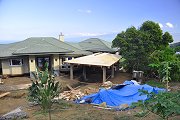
154	35
136	45
44	90
167	38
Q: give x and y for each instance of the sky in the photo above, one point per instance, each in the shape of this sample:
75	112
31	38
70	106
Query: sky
82	19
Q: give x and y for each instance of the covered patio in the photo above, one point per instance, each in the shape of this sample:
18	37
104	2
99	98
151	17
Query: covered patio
103	60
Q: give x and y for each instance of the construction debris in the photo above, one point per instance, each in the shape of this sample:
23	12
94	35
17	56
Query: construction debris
69	87
4	76
71	95
16	114
4	94
107	84
90	90
1	82
103	104
124	106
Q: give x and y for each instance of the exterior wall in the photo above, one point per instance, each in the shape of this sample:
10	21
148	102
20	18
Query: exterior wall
0	67
32	64
15	70
6	69
55	62
60	61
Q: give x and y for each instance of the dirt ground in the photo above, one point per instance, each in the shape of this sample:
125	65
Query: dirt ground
67	110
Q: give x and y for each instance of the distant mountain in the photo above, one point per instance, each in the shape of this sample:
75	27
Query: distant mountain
175	44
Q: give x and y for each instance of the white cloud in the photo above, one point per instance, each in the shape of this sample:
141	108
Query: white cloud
168	24
91	34
161	25
85	34
84	11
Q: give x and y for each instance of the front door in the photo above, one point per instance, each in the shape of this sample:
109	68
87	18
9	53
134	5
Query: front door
41	62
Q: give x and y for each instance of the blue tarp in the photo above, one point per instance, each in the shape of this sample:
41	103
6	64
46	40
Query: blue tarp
121	94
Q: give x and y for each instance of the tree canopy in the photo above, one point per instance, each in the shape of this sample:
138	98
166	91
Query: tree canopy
136	45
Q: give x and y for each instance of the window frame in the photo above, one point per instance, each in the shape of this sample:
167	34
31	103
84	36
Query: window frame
11	63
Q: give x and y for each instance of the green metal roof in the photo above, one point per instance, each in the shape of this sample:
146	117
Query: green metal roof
50	45
96	45
39	45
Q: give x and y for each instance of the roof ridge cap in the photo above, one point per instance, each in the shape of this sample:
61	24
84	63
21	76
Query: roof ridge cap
105	44
70	45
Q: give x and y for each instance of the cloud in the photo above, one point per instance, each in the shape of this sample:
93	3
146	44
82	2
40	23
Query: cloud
91	34
85	34
85	11
161	25
168	24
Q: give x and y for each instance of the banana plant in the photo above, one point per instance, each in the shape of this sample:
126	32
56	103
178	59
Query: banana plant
44	90
165	73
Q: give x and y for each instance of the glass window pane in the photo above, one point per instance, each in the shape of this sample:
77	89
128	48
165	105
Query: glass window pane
16	62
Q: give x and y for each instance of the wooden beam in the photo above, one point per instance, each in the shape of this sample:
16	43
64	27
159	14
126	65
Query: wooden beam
104	74
71	71
4	94
69	87
84	72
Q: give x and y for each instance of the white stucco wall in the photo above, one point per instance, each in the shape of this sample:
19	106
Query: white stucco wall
7	69
32	64
55	62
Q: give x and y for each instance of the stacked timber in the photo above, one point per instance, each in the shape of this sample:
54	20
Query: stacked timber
71	95
90	90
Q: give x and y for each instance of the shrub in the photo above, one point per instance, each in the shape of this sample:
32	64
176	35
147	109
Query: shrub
43	90
164	104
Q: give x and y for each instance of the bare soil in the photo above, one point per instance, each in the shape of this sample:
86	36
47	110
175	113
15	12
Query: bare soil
67	110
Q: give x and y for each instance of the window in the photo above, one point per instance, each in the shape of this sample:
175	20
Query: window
69	58
16	62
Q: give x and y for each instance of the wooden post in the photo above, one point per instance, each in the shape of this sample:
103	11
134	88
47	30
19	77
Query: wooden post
104	74
112	71
71	71
118	66
84	72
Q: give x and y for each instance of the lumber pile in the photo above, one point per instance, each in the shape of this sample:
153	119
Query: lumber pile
75	93
90	90
71	95
107	84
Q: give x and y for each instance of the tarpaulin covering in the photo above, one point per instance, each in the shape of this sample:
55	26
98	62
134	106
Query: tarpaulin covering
121	94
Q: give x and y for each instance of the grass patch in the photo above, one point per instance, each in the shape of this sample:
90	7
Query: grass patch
155	83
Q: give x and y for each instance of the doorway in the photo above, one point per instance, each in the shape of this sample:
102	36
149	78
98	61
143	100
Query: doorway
41	62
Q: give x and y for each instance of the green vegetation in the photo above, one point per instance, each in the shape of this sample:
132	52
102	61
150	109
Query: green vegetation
44	90
165	60
164	104
136	45
147	49
155	83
